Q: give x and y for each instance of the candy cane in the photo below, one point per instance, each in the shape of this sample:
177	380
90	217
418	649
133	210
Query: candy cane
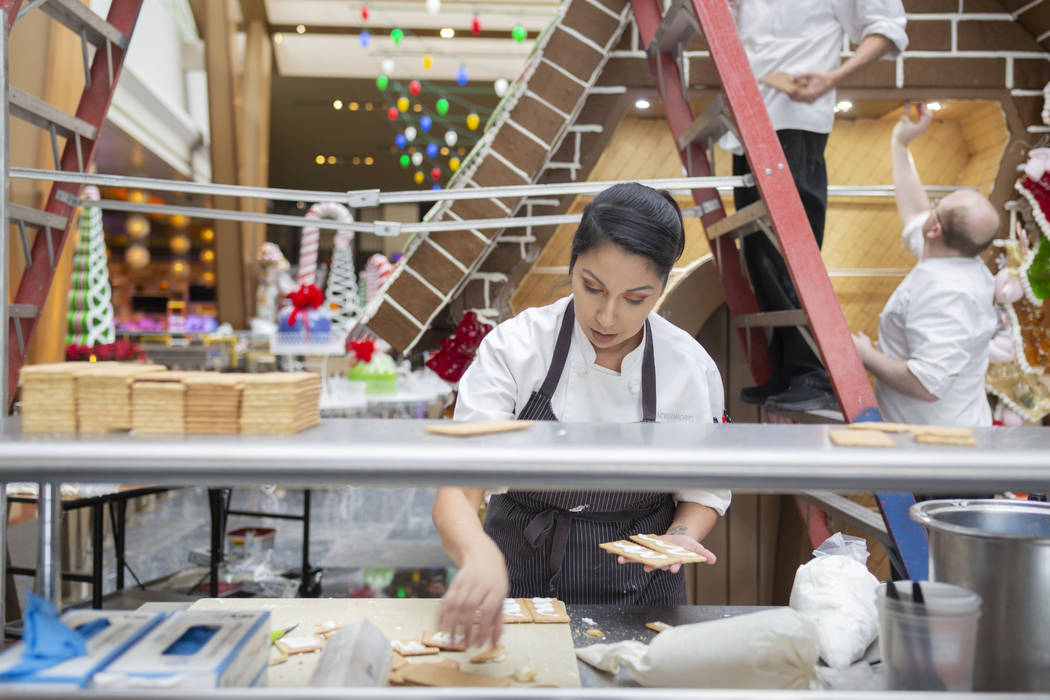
311	238
377	269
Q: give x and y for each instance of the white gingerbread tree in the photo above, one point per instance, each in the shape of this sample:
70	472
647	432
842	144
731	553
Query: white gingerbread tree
342	287
90	317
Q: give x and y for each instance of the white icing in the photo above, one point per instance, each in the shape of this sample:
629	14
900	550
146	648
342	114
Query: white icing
297	643
444	638
642	552
545	607
672	549
512	608
409	647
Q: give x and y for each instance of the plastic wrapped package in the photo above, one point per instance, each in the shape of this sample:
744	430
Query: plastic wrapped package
358	655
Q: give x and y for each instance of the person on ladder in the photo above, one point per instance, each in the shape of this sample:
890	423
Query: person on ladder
600	355
804	40
936	329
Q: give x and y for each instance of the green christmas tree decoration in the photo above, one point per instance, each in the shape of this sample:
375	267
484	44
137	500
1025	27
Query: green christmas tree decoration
90	316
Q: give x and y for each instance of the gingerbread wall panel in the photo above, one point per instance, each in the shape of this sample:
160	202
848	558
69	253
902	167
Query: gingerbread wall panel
392	326
435	267
520	150
1031	73
955	72
478	209
464	246
930	35
990	35
537	118
626	70
556	87
572	54
413	296
590	21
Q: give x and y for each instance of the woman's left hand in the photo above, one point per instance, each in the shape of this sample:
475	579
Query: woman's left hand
684	541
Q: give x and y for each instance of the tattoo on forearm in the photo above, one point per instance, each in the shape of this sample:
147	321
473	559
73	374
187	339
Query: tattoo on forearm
678	530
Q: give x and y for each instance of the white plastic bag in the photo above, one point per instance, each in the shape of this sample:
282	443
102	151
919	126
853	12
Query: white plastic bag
768	649
357	655
837	592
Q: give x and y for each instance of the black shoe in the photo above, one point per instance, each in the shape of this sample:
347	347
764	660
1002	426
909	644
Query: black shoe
758	394
810	392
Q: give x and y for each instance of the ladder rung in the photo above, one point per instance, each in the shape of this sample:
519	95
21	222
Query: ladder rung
772	319
677	26
746	220
35	217
36	111
22	310
709	126
77	16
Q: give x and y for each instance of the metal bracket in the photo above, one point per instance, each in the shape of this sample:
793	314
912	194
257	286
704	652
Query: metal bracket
362	198
387	228
710	206
67	198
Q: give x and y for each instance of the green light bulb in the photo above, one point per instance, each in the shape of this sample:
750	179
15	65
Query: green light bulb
397	35
442	106
519	33
382	81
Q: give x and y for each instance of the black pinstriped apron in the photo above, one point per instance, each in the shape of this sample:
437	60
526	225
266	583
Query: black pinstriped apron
550	538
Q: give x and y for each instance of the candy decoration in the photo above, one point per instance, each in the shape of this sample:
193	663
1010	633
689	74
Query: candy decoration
426	122
461	76
403	104
405	160
432	150
475	25
401	140
428	61
377	269
90	317
397	34
442	106
410	133
388	66
307	297
382	82
365	39
519	33
341	295
451	137
457	351
418	178
417	159
473	121
414	88
392	113
435	173
501	86
453	164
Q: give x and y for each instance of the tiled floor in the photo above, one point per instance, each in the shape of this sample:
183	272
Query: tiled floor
358	536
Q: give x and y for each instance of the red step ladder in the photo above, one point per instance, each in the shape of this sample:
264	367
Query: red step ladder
110	38
778	213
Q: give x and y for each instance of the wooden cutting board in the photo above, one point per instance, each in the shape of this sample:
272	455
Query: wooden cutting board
547	647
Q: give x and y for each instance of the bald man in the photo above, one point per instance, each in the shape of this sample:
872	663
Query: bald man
935	330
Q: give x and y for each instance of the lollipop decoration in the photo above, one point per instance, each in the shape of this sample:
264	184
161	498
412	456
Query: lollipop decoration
341	295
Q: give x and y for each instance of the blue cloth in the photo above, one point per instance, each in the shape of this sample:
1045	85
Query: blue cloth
47	640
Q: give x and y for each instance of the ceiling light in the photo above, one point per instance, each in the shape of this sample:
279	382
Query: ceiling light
642	103
369	160
301	29
353	106
331	160
337	104
843	106
278	38
319	159
447	32
934	106
356	160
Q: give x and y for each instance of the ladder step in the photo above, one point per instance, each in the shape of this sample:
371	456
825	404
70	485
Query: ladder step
747	220
36	111
22	310
772	319
678	25
79	18
708	126
35	217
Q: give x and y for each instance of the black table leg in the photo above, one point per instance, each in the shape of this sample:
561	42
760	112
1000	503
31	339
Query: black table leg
97	543
118	513
217	501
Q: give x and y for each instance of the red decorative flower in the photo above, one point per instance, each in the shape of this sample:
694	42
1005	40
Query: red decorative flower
457	351
307	297
363	349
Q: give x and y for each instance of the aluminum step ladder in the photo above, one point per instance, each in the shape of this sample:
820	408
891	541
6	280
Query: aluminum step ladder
109	39
778	214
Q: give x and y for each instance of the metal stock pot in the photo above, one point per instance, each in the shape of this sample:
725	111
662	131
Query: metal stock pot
1001	550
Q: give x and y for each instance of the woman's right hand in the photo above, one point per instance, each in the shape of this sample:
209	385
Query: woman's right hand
473	604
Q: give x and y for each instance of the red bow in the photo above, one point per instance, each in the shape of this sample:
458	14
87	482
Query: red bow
363	349
307	297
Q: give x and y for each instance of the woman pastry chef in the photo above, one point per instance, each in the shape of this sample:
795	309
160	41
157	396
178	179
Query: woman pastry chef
599	356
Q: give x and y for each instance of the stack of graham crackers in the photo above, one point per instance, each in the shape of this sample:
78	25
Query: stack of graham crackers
213	402
158	402
281	402
103	394
49	398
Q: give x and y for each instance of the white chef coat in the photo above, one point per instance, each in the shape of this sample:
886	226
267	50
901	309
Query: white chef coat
513	359
806	36
940	319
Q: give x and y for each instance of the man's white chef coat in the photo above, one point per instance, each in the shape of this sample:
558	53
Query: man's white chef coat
940	319
513	360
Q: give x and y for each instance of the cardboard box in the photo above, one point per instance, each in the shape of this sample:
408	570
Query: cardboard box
248	542
116	632
196	650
